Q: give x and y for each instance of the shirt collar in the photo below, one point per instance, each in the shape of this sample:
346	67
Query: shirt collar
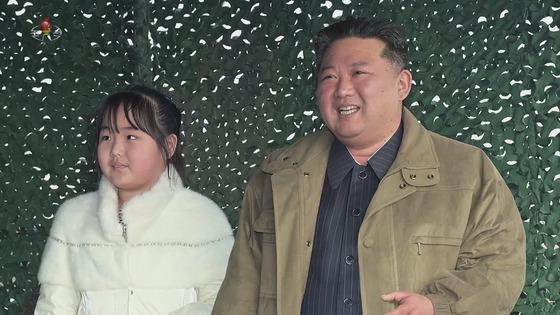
384	158
341	161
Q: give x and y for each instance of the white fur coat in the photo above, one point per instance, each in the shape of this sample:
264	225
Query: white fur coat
172	262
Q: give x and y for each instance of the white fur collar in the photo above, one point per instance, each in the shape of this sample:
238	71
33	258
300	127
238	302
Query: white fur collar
141	209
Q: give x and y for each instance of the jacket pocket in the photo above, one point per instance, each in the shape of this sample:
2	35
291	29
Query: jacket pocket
423	242
436	240
264	226
265	235
425	257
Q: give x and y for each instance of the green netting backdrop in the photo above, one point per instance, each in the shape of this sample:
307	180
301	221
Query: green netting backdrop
485	72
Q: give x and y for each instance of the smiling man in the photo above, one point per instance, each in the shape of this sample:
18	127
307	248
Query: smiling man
374	214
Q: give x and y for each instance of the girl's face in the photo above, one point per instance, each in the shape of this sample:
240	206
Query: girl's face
130	158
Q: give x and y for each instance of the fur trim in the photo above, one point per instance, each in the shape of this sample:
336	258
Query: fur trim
144	207
177	238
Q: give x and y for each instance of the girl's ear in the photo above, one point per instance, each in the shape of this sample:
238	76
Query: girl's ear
171	144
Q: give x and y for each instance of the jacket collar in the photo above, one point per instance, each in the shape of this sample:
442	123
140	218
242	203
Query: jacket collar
139	211
341	161
416	157
301	153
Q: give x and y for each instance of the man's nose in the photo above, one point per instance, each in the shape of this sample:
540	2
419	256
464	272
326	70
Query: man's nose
344	87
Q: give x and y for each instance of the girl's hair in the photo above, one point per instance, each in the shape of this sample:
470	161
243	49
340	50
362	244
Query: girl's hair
149	111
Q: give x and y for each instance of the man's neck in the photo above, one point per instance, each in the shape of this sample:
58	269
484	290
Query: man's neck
362	156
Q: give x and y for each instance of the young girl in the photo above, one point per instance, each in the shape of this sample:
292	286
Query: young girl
142	243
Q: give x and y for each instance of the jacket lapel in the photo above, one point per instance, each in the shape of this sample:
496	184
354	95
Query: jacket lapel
296	174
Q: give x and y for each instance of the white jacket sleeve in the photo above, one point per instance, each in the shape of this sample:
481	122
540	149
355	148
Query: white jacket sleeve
57	292
57	300
206	298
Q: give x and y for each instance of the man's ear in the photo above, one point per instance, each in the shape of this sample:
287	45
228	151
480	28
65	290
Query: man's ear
171	144
405	84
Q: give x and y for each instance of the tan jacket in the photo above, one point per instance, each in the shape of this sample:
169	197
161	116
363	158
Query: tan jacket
442	223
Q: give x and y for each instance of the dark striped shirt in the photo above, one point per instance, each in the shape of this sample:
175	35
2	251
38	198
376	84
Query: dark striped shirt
333	283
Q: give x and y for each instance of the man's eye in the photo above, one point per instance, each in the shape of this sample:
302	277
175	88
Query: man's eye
328	77
358	73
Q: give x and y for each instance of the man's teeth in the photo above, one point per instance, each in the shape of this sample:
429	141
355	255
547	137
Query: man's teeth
347	110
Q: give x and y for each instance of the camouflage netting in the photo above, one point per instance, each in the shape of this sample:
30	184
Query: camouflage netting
242	71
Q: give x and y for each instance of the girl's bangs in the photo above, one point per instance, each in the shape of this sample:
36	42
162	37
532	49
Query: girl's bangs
134	108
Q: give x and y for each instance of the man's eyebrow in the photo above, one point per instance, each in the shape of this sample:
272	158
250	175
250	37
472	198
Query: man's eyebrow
352	65
359	63
326	68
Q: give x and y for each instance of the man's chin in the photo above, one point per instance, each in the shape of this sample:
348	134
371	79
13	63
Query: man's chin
347	138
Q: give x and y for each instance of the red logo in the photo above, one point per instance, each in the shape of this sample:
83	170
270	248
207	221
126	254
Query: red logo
46	31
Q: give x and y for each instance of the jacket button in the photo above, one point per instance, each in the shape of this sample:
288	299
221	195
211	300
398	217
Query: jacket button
308	243
368	242
431	176
285	158
348	302
402	186
349	259
412	176
306	174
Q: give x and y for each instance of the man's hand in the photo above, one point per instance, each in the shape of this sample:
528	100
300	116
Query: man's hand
410	303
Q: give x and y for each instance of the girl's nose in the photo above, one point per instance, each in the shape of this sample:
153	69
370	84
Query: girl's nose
117	148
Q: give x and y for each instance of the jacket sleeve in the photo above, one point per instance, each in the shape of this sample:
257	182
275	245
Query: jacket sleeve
206	297
490	271
57	296
212	261
56	299
240	289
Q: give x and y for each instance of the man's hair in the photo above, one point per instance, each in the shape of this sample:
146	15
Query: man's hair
392	34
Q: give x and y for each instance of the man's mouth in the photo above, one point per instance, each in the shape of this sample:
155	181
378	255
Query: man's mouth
347	110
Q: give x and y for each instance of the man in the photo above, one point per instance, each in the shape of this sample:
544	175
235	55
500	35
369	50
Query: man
374	214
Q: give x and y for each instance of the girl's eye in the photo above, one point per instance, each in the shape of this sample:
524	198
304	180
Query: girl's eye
131	137
105	138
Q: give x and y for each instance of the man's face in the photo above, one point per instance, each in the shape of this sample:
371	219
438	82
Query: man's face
360	93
